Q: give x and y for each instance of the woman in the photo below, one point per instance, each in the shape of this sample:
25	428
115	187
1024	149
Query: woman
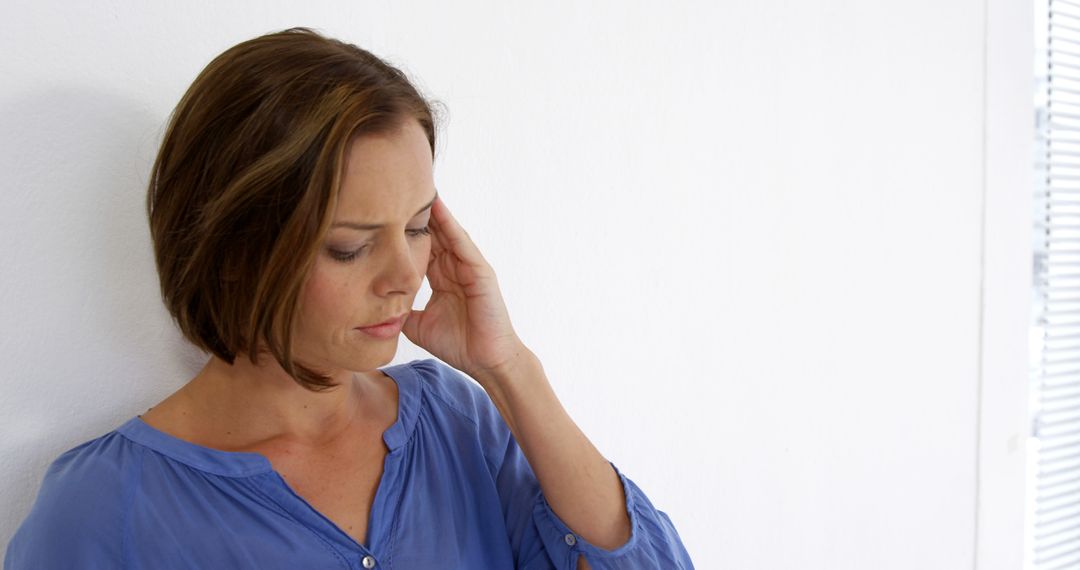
294	216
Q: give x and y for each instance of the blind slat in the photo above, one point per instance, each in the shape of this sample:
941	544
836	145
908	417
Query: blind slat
1054	492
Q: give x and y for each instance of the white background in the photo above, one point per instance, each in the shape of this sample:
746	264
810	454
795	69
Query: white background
773	255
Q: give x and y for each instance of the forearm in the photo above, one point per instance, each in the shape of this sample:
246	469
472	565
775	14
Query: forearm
578	482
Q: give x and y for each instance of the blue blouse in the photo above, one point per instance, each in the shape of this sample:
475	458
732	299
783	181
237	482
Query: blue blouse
456	492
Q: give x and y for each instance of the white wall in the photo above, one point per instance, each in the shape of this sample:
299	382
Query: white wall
750	241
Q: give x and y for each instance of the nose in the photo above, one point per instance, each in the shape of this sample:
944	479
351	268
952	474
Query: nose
402	272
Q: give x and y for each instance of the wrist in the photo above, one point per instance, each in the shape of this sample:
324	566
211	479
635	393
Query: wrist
515	386
517	366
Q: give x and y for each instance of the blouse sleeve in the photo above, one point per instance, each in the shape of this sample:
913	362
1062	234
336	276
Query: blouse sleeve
543	541
538	538
74	521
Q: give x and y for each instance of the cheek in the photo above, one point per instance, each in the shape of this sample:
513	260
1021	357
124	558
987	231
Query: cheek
322	298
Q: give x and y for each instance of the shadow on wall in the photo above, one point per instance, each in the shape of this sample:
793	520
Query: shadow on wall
87	343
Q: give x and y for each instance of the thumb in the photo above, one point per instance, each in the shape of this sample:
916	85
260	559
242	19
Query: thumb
411	327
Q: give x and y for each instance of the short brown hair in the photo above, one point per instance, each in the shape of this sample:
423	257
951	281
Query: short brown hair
241	191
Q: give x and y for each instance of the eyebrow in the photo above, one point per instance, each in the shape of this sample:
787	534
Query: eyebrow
356	226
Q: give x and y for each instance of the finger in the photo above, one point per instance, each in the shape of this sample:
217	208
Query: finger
452	236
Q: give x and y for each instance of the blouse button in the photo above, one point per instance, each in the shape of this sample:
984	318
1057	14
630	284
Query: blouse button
571	539
369	561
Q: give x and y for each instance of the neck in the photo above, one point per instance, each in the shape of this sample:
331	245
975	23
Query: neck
246	405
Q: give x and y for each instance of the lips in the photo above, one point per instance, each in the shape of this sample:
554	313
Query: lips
392	321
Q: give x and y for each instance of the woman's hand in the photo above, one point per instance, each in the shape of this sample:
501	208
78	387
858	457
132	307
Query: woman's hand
465	322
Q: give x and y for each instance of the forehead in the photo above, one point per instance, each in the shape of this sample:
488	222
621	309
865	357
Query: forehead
386	174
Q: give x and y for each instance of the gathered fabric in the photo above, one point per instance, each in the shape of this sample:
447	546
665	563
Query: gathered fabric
456	492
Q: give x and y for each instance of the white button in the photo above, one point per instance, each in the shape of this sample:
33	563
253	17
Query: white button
369	561
571	539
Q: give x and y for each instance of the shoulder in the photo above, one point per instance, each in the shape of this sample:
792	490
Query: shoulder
449	387
457	395
80	504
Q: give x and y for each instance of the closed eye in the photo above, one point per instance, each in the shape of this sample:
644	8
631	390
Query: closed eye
347	256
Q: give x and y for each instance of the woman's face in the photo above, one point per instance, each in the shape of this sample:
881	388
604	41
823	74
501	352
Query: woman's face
366	276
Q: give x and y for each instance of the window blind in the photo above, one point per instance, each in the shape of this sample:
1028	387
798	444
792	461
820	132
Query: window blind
1054	461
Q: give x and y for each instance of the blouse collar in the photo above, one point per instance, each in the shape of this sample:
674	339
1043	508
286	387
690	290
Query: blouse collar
243	463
